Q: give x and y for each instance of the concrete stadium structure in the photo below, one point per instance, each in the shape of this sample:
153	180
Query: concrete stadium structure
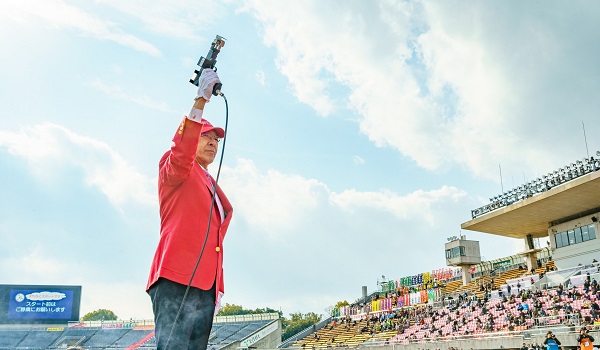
565	210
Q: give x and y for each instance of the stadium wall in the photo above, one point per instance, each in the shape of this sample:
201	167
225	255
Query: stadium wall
260	339
568	338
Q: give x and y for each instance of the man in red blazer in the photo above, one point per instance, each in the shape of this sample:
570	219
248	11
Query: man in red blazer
187	212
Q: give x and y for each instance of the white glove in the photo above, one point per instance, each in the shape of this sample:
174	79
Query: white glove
207	81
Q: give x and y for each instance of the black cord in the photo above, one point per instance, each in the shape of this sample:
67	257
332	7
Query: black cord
212	205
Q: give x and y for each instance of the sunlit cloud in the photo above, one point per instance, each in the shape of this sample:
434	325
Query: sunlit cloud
275	202
260	77
358	160
102	167
183	19
438	81
119	93
59	14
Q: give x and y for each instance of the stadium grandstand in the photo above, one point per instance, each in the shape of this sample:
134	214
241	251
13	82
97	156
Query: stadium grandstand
508	303
228	332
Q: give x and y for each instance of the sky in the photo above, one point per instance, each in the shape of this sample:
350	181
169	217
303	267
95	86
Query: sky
361	134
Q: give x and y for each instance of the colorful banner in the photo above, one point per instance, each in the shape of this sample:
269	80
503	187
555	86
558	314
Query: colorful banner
431	294
375	305
501	264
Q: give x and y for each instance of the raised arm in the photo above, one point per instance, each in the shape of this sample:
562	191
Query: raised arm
176	165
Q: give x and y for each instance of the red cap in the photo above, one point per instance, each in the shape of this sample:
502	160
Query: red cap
207	126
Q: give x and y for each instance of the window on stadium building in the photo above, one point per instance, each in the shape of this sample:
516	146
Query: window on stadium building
454	252
575	236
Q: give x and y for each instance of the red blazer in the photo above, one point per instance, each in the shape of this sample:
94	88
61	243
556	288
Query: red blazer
184	194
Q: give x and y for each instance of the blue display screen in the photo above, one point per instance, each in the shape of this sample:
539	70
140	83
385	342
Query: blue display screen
40	304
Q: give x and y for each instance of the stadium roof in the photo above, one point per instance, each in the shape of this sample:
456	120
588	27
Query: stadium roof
534	215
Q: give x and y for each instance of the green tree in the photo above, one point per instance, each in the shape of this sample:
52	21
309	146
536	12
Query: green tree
266	310
100	315
298	322
232	309
341	303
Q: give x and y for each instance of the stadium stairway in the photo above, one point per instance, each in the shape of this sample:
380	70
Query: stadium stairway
141	342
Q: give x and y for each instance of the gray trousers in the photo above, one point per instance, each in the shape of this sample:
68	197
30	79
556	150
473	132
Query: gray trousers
192	329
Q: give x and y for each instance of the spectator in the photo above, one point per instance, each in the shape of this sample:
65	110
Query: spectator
585	341
551	342
568	308
587	283
594	310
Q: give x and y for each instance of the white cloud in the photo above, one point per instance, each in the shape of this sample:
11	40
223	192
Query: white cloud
277	203
419	205
303	67
358	160
33	263
179	19
57	13
445	83
49	147
260	77
127	300
272	202
117	92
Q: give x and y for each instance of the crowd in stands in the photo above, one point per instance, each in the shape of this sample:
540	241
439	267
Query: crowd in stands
470	314
515	308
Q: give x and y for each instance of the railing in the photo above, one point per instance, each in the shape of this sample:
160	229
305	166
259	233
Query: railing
150	323
558	320
111	324
541	325
554	278
247	318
